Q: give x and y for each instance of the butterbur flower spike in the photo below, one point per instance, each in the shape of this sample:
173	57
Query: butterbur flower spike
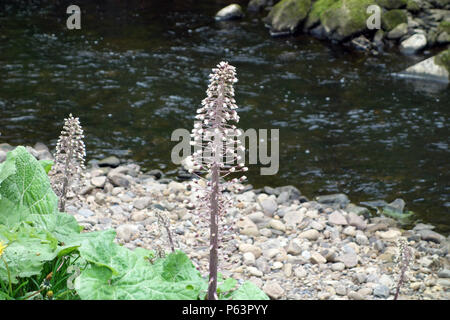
69	158
215	143
404	259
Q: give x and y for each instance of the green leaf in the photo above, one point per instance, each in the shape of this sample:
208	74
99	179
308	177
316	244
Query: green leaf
47	165
249	291
98	283
227	285
178	267
102	251
27	251
62	225
119	273
28	189
7	167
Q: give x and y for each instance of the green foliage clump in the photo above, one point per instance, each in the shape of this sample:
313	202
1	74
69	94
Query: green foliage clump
392	18
44	254
444	26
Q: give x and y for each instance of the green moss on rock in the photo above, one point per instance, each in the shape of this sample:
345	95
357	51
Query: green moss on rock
413	6
345	18
318	7
443	59
392	18
392	4
286	15
444	26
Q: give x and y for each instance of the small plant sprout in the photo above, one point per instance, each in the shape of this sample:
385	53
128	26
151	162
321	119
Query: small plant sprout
215	153
69	158
404	259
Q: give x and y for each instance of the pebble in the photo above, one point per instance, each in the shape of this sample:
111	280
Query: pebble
249	259
444	273
338	266
127	232
350	260
273	290
255	250
269	206
254	271
311	234
388	235
337	218
381	291
317	258
293	217
99	181
277	225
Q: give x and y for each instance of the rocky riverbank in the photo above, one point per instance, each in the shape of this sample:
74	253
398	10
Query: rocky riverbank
289	246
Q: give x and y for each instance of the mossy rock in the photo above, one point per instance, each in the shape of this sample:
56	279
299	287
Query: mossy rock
346	18
413	6
287	15
318	7
392	18
443	59
392	4
444	26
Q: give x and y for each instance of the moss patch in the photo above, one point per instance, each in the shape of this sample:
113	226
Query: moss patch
444	26
317	9
392	18
443	59
345	18
288	14
413	6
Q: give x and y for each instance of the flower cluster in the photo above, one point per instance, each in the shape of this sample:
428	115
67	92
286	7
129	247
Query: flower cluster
216	147
69	158
214	140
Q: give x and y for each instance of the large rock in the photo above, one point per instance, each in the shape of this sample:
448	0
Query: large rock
287	15
345	18
434	68
338	200
233	11
398	32
430	235
414	43
111	161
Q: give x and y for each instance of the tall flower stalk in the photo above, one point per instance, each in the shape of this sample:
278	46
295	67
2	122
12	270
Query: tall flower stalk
216	153
69	158
404	260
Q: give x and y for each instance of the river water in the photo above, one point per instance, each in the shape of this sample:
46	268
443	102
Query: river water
137	70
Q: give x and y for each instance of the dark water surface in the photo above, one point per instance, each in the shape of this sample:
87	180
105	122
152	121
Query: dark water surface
138	70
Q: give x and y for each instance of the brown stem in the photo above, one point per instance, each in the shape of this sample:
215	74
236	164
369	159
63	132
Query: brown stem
214	237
